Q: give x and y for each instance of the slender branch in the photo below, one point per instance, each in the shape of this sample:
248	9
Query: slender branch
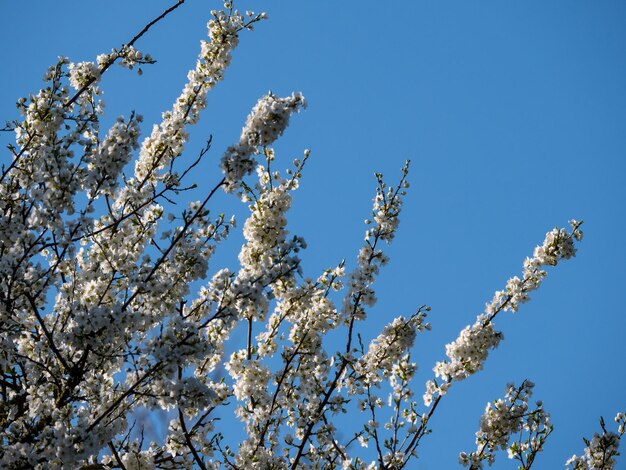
17	157
376	439
117	456
344	362
318	412
279	384
47	333
249	341
420	432
196	456
130	43
123	396
334	441
103	69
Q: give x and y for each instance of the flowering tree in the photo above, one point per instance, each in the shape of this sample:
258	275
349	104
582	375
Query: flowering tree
99	322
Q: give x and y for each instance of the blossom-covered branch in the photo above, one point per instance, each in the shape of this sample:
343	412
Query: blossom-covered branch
468	353
504	419
601	450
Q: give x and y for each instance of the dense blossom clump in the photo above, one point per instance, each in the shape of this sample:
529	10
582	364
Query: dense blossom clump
601	450
267	121
387	350
83	73
502	421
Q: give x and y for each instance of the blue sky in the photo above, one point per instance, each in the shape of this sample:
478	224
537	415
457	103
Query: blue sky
513	114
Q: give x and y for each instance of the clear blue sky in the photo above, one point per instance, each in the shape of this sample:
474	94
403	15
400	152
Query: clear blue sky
514	117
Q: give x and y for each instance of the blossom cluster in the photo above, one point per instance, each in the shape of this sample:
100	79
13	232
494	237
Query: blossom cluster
468	353
388	349
558	245
83	74
106	161
93	343
384	222
267	121
505	418
267	260
601	450
129	56
167	139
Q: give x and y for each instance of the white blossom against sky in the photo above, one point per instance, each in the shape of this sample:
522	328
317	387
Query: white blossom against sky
513	115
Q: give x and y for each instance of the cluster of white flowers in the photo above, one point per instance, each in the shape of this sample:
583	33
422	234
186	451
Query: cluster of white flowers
468	353
129	58
83	73
389	348
601	450
268	267
558	245
43	170
504	418
268	256
385	220
111	292
267	121
250	378
107	160
167	139
299	393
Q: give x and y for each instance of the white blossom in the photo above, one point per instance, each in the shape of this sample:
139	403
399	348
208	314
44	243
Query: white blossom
505	418
468	353
83	73
601	450
267	121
